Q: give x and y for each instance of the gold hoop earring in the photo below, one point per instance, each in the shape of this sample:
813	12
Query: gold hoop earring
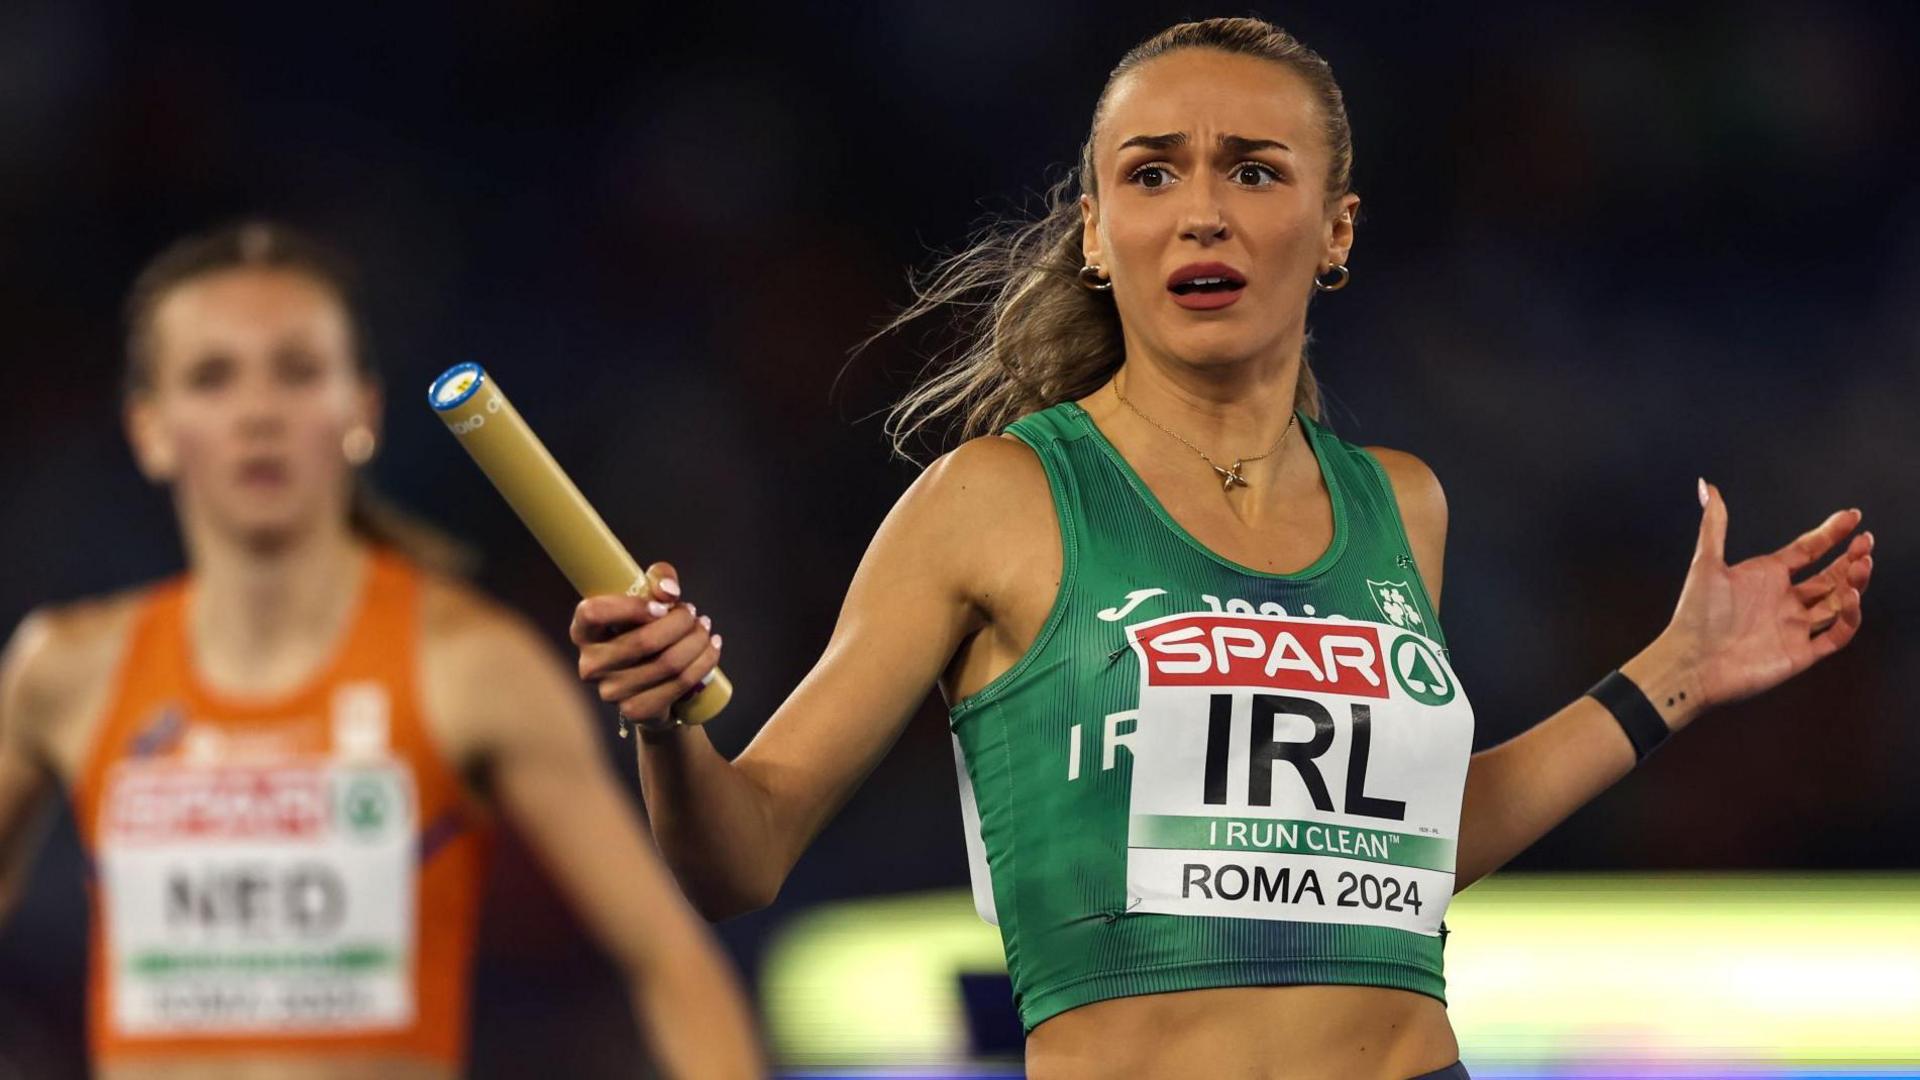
1090	278
358	445
1338	283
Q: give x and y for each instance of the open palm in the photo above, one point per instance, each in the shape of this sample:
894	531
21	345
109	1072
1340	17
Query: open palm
1748	627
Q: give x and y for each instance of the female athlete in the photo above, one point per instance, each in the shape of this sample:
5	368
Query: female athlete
1216	767
284	764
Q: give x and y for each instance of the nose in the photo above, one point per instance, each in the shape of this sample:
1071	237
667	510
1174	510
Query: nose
1203	219
261	409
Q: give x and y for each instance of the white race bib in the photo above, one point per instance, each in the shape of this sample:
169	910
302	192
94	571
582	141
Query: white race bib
1300	769
257	899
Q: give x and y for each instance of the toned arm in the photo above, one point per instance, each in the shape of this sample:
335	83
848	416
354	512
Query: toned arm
25	782
516	711
937	569
55	676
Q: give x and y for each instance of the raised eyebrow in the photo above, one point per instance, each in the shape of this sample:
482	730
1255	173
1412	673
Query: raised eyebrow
1229	144
1240	144
213	361
1157	142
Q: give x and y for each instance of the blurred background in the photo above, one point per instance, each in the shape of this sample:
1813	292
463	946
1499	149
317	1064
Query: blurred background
1602	252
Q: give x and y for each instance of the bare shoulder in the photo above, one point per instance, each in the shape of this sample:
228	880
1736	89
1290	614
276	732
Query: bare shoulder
985	472
984	508
485	668
1423	510
994	482
464	628
457	612
1416	487
57	668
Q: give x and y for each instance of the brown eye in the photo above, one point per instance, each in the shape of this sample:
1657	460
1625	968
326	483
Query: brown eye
1254	174
1139	176
209	373
298	370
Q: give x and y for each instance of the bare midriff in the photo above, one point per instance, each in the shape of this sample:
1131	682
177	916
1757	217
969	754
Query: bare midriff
1250	1033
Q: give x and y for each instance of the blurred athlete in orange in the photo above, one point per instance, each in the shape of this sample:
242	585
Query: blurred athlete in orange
284	763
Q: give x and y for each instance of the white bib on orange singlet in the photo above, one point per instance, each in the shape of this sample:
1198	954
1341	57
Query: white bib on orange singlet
261	899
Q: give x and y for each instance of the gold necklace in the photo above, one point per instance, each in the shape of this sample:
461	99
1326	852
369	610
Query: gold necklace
1228	477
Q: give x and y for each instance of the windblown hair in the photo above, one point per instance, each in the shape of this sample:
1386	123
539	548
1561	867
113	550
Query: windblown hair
270	245
1028	334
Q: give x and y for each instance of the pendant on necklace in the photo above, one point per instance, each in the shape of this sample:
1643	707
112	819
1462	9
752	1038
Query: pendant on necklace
1230	477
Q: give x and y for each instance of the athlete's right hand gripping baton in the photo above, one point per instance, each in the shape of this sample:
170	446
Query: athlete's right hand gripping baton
575	536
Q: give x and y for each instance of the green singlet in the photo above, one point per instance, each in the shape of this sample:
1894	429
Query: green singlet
1205	775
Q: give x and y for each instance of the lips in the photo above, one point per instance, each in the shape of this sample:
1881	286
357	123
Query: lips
264	472
1205	286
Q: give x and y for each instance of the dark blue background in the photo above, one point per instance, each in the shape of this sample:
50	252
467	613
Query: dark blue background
1602	251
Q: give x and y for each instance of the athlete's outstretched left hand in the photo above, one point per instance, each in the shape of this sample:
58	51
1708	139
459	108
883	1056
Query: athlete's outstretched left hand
1748	627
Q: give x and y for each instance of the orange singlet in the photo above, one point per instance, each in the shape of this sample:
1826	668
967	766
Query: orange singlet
294	876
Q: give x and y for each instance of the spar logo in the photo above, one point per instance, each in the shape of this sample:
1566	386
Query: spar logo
1264	652
366	806
161	802
1417	667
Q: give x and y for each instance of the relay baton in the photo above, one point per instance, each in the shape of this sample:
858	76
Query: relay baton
469	401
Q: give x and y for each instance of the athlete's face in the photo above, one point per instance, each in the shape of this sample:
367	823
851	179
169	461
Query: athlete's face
251	396
1210	157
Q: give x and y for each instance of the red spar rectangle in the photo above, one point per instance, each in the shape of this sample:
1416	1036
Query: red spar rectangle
1205	649
154	803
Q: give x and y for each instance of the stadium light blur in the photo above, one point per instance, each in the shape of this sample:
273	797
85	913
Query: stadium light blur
1759	975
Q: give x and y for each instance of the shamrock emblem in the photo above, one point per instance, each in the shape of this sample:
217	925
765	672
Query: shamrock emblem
1395	606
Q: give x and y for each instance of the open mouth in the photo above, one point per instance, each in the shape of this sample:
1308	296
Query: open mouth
264	472
1207	285
1200	286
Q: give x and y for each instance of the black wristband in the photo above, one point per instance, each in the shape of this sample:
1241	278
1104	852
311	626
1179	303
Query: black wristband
1637	716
